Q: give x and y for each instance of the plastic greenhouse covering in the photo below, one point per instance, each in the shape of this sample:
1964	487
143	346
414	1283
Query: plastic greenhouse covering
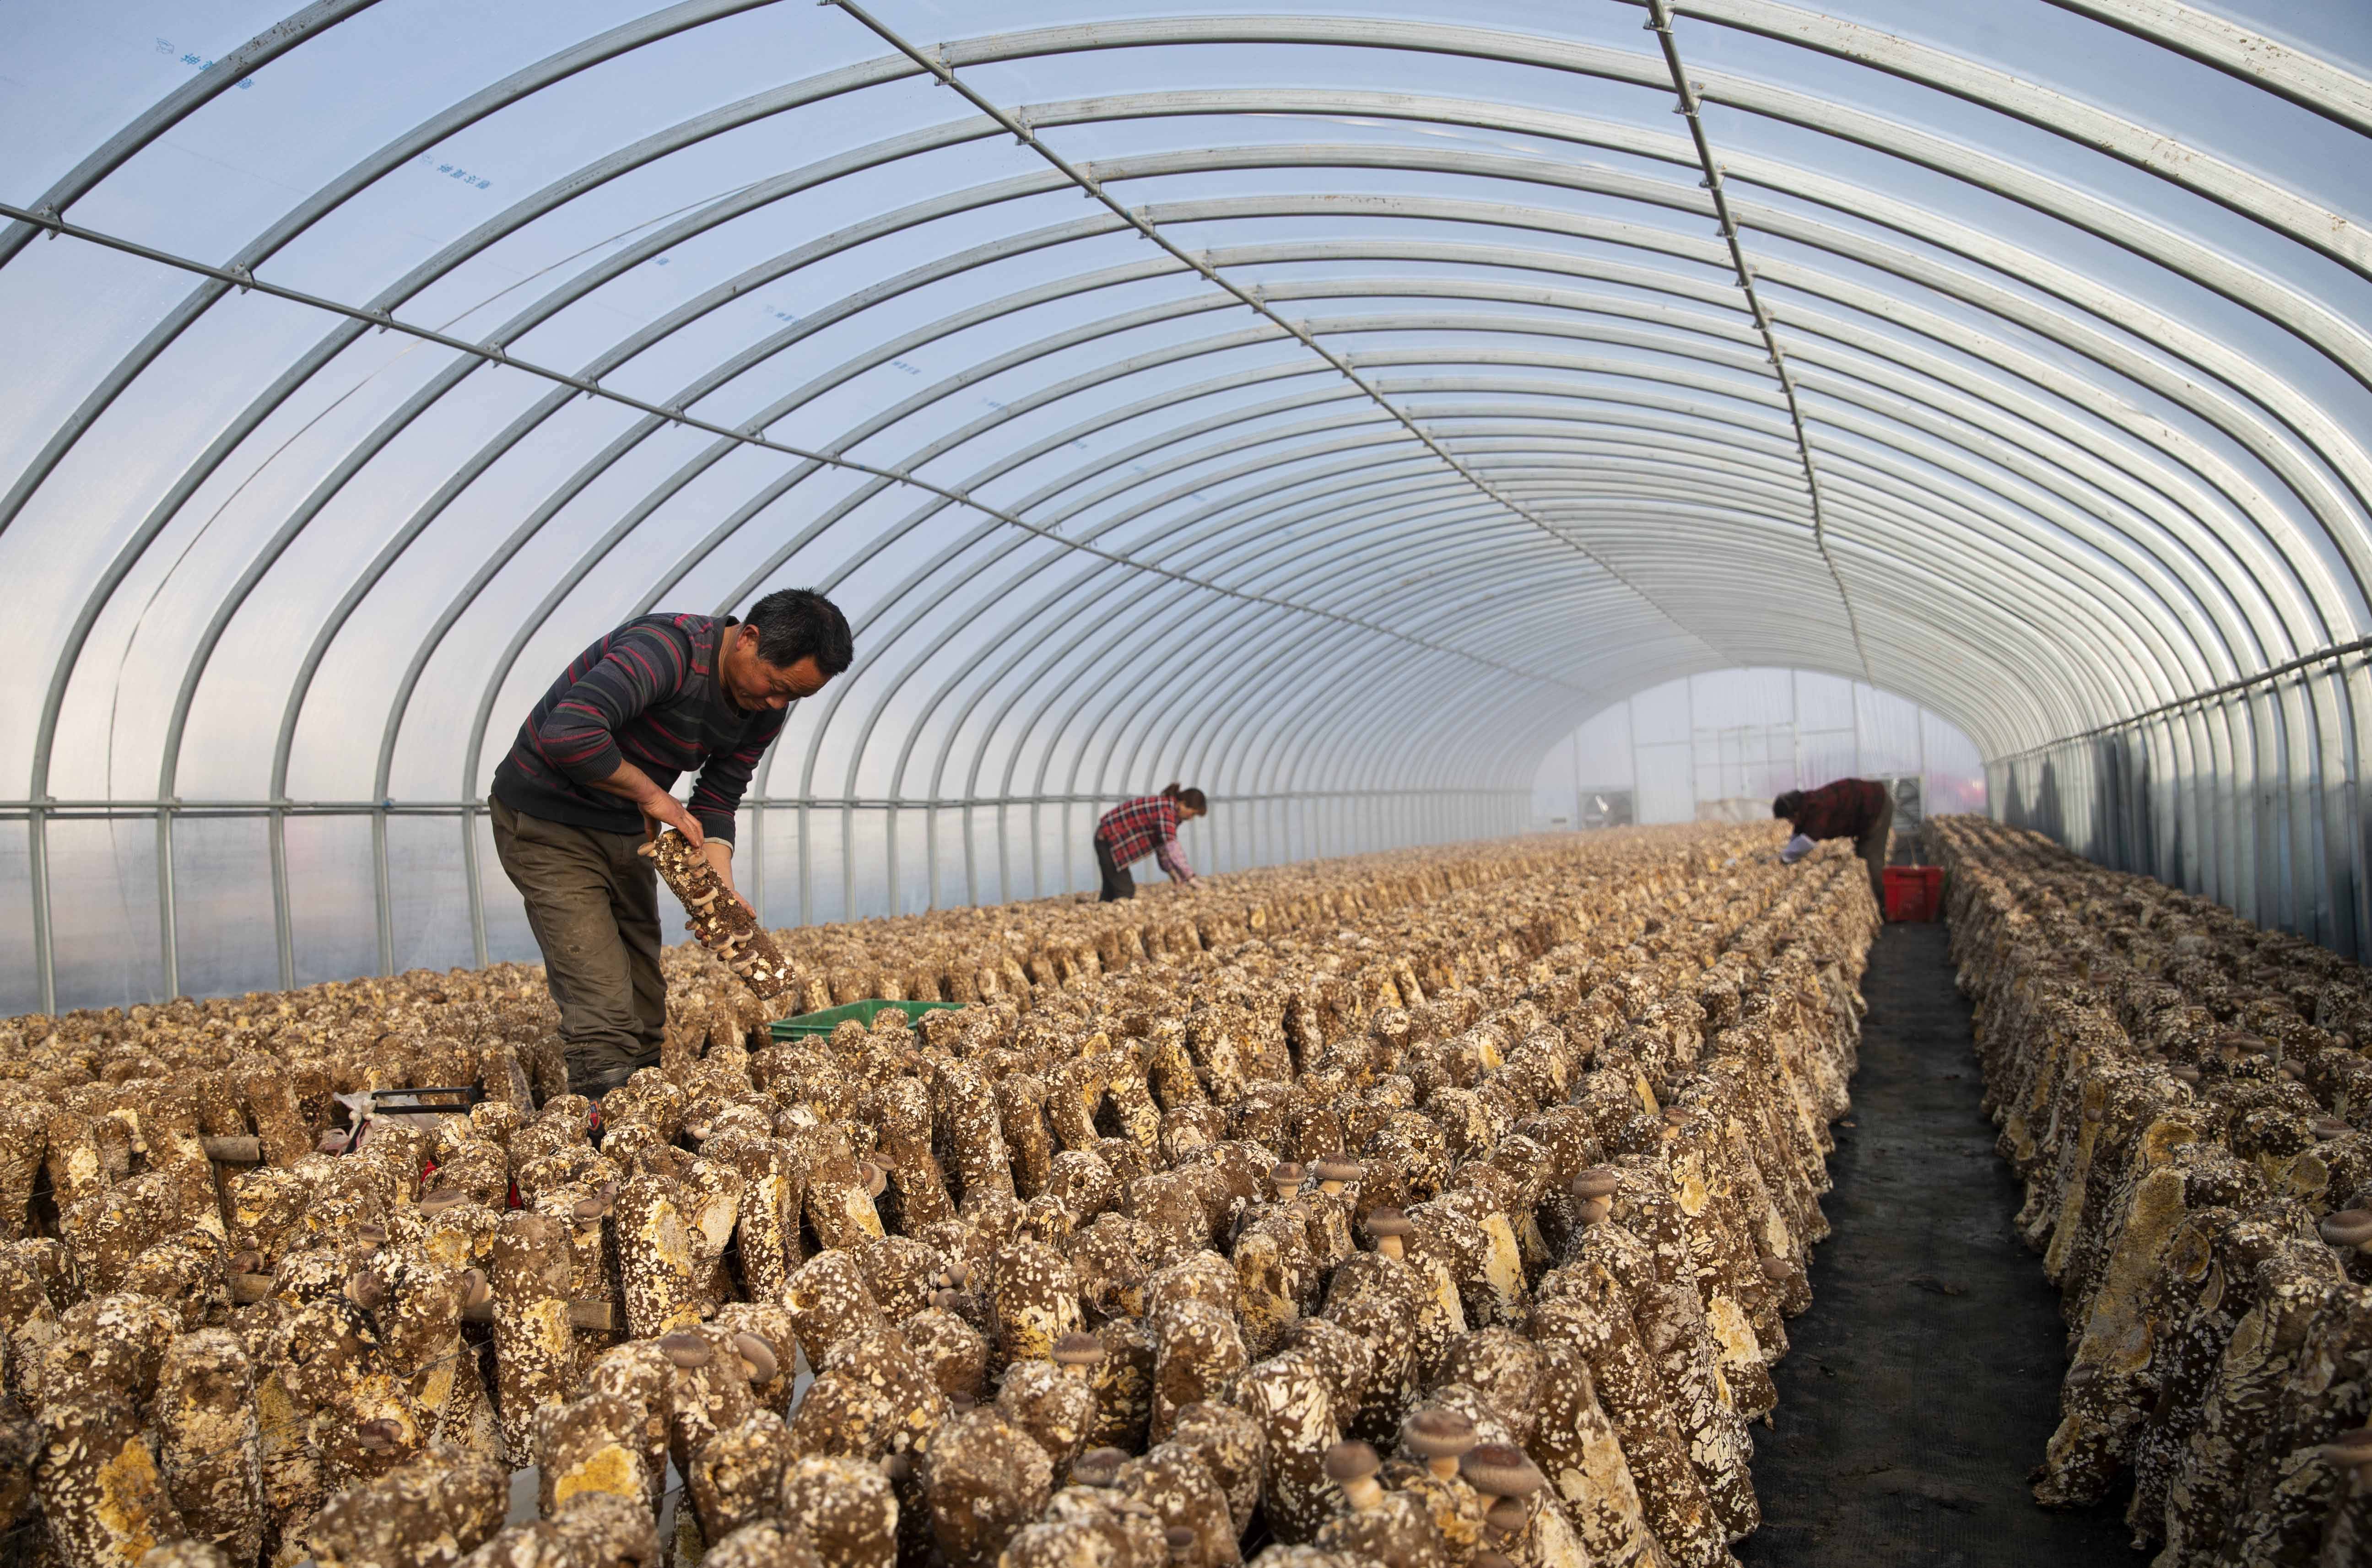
1332	404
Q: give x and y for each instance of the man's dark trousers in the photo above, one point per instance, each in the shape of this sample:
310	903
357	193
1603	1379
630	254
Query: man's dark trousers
593	904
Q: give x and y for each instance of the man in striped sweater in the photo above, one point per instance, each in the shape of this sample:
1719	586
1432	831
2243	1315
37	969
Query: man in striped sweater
588	782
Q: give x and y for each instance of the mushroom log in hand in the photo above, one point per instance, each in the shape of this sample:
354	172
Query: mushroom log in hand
721	922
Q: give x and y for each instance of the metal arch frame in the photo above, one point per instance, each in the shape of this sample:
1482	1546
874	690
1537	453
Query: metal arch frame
2318	86
2275	206
2340	532
857	755
984	687
1093	185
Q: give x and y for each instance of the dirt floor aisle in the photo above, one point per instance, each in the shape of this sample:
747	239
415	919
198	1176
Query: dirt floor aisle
1924	1381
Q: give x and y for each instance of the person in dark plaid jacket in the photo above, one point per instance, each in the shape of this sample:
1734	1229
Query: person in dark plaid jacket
1859	810
1147	825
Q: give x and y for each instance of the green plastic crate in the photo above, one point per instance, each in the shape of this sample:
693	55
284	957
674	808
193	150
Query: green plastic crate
823	1023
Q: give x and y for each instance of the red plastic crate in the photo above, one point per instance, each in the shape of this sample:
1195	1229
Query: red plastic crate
1915	892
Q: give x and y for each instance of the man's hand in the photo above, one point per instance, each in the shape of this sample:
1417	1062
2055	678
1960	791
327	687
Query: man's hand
719	856
661	810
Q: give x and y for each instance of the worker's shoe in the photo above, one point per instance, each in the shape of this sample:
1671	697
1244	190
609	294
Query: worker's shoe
595	1075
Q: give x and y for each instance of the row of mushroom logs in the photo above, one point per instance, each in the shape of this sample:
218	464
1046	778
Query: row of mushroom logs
1578	1120
2183	1095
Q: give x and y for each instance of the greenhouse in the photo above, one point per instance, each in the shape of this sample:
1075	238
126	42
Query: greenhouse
1755	622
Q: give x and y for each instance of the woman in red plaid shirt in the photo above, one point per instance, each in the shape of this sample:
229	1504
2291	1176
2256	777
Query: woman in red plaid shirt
1147	825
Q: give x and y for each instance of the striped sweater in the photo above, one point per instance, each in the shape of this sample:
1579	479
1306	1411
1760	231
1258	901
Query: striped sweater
647	693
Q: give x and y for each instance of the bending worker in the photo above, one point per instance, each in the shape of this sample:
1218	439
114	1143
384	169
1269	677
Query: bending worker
1147	825
1859	810
586	783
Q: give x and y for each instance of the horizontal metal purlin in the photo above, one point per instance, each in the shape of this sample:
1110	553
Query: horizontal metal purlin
101	810
2230	687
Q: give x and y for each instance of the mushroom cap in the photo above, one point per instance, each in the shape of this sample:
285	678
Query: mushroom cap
758	1357
1435	1433
1097	1466
2245	1043
370	1233
2329	1127
247	1261
379	1434
1776	1269
687	1350
1387	1222
959	1271
1507	1516
1347	1462
444	1198
1597	1181
1181	1538
1334	1168
2185	1072
591	1208
876	1177
2348	1227
946	1300
475	1289
1501	1469
960	1401
1286	1173
365	1289
1078	1349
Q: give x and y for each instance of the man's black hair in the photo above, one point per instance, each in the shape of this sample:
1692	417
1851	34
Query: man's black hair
1788	804
794	623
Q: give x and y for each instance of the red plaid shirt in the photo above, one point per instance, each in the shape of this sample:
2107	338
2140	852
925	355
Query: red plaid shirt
1147	825
1845	809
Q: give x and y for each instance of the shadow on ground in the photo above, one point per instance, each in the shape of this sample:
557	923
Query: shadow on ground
1924	1382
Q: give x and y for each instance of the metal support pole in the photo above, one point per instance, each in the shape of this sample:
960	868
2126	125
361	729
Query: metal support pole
168	939
474	880
37	863
383	896
284	925
756	875
807	869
